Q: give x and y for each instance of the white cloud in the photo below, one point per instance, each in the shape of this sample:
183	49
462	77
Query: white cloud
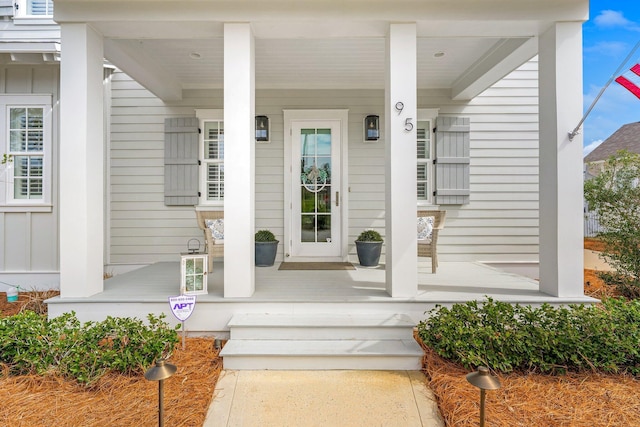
612	19
590	147
615	49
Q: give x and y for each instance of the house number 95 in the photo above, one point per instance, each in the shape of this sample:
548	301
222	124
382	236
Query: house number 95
408	125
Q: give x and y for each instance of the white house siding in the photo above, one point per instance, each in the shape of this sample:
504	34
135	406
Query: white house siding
142	229
499	224
501	221
29	250
6	8
40	34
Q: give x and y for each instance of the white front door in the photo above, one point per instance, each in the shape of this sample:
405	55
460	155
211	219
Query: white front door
315	219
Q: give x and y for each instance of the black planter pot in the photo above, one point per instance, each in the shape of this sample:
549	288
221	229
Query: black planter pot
368	253
266	253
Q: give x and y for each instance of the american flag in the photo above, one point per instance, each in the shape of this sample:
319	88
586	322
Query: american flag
628	84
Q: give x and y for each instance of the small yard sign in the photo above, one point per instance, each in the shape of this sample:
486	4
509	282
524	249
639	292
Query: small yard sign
182	306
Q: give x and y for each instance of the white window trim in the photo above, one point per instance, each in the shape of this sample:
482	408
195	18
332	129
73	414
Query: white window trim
204	115
7	203
20	15
429	114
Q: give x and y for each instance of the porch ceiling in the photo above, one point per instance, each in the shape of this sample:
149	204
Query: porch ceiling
319	44
166	66
313	63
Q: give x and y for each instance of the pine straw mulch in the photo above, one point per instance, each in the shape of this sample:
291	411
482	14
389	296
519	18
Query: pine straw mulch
574	399
115	400
593	244
584	399
33	301
593	285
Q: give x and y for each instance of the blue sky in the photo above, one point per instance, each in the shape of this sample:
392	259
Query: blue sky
610	34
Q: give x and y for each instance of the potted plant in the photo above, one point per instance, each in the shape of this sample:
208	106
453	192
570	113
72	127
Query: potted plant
266	248
369	246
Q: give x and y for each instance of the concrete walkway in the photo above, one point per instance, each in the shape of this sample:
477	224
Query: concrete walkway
331	398
323	399
592	261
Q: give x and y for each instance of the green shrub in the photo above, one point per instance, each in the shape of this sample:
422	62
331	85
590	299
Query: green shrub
627	288
369	236
265	236
615	195
29	343
509	337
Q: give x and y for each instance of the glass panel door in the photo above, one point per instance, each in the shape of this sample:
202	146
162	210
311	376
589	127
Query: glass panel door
315	185
315	189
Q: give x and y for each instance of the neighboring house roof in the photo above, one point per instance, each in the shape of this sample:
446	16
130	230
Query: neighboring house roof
625	138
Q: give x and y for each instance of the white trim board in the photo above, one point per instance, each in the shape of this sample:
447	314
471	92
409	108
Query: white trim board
308	115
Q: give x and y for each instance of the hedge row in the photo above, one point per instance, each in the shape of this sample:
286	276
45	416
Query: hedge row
509	337
32	344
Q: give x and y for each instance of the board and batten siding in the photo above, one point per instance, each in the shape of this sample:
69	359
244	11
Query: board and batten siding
30	243
500	223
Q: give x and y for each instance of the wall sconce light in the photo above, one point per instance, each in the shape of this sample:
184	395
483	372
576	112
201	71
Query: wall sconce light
483	379
262	129
371	128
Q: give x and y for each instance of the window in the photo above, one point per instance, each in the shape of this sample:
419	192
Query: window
26	150
34	8
211	157
26	168
424	155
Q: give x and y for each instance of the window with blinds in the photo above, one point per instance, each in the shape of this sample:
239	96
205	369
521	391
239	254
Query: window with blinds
25	153
213	160
424	160
34	8
26	150
40	7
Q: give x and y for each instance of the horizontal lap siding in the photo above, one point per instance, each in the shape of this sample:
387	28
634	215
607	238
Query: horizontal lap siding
29	33
499	224
30	239
501	221
142	229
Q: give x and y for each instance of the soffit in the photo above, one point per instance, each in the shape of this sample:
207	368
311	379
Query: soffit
315	63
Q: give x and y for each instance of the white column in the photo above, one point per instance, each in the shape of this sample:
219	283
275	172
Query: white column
400	170
81	162
561	233
239	160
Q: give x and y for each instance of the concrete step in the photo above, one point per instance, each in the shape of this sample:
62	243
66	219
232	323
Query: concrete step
315	341
322	354
329	326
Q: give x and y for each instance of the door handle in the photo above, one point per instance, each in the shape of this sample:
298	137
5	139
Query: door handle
337	198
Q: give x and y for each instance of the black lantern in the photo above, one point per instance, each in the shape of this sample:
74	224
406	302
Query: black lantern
262	128
371	128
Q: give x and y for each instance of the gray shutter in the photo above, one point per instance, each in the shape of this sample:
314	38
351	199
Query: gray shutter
452	161
181	161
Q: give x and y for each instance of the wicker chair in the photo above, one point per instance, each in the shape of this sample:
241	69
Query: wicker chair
211	248
428	248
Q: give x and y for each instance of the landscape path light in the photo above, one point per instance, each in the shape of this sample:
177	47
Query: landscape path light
483	379
159	373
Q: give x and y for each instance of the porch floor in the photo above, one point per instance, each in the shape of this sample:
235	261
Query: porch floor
454	282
